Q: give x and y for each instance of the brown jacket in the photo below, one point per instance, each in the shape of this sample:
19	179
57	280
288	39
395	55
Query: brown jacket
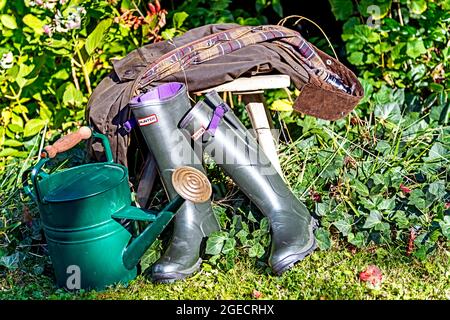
107	107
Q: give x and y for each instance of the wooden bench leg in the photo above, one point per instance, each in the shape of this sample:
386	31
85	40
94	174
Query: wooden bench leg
260	123
146	181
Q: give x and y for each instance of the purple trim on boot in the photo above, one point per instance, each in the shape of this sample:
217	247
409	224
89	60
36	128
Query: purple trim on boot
129	125
219	112
158	93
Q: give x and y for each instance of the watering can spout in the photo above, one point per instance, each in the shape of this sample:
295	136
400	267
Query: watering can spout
180	178
141	243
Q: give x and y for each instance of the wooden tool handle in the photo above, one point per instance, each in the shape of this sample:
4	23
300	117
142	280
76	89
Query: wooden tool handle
67	142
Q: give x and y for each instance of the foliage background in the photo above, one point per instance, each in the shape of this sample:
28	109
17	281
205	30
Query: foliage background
376	179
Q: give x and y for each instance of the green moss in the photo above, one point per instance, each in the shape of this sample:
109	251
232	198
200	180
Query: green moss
324	275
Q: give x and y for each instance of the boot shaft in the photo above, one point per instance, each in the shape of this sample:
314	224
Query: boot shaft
222	136
238	153
158	113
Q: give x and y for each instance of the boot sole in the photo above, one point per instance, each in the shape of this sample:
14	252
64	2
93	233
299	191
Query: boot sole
170	277
288	262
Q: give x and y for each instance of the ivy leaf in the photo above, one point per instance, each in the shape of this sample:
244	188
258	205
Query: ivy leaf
221	216
396	53
368	90
342	9
415	48
33	127
417	198
368	203
445	226
11	262
437	189
421	252
8	21
383	146
343	226
256	250
373	219
229	245
94	40
356	58
151	255
437	152
402	220
383	227
321	209
178	19
264	225
357	240
379	179
383	96
215	242
242	235
251	217
360	188
389	111
323	238
417	6
387	204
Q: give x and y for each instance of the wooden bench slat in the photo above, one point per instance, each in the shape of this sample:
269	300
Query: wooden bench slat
255	83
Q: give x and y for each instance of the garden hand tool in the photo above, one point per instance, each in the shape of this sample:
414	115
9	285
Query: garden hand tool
214	126
85	212
158	113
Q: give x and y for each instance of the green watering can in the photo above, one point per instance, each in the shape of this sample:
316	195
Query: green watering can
86	213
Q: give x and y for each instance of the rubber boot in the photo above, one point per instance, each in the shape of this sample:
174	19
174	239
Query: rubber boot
158	113
219	133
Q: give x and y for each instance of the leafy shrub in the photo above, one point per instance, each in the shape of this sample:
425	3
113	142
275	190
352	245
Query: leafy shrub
386	167
53	54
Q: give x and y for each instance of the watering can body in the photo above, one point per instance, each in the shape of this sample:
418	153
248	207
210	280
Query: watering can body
81	234
86	213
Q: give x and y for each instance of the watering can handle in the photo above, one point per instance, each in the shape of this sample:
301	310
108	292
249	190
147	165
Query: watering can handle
67	142
63	144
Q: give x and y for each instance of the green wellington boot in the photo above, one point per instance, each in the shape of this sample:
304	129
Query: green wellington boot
158	112
216	130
